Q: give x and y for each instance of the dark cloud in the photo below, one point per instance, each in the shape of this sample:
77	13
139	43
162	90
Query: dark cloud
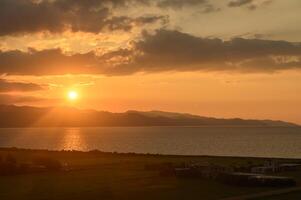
238	3
94	16
10	86
179	3
26	16
175	51
16	99
209	8
250	4
203	6
51	62
152	19
165	50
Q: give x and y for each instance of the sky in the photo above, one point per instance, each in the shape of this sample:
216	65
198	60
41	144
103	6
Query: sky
225	59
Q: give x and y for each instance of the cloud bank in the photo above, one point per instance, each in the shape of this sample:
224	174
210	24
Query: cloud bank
93	16
165	50
18	99
10	86
27	16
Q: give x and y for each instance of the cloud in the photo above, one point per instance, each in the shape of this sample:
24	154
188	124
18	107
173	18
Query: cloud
10	86
204	6
93	16
46	62
16	99
209	8
27	16
238	3
251	4
176	4
168	50
164	50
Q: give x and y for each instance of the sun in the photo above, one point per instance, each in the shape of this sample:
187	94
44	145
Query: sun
72	95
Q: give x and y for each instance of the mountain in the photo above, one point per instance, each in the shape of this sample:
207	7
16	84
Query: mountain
25	116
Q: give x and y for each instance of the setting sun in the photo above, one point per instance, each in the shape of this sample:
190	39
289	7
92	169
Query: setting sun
72	95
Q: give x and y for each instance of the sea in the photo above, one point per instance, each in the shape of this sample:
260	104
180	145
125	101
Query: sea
278	142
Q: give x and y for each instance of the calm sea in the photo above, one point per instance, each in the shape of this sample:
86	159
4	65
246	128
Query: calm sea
261	142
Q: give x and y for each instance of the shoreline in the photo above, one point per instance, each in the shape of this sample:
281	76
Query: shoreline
95	151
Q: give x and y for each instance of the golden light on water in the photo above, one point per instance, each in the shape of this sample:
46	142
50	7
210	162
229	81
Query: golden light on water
73	140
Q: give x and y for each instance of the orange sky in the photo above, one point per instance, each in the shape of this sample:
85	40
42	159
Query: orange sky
264	96
181	57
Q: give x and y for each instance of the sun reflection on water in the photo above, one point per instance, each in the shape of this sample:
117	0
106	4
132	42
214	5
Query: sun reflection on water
73	140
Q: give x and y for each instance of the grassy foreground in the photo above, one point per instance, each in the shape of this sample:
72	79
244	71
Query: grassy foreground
97	175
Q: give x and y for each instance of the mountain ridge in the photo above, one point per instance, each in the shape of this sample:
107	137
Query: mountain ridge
27	116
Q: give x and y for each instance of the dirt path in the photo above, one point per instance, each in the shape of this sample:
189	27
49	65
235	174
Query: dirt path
264	194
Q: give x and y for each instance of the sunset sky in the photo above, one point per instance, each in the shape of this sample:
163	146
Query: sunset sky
229	58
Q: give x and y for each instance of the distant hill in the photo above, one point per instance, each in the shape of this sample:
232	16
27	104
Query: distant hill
14	116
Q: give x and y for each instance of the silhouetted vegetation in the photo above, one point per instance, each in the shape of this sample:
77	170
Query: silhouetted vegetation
10	166
48	163
103	175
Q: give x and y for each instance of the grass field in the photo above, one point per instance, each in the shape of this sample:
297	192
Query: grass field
97	175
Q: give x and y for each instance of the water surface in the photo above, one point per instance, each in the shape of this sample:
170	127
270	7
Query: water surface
230	141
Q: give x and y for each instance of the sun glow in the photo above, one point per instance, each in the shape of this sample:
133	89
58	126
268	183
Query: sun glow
72	95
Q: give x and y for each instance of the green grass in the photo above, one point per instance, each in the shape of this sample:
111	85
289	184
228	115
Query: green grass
114	176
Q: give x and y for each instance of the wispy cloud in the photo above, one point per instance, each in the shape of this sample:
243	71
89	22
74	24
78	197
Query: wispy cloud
250	4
